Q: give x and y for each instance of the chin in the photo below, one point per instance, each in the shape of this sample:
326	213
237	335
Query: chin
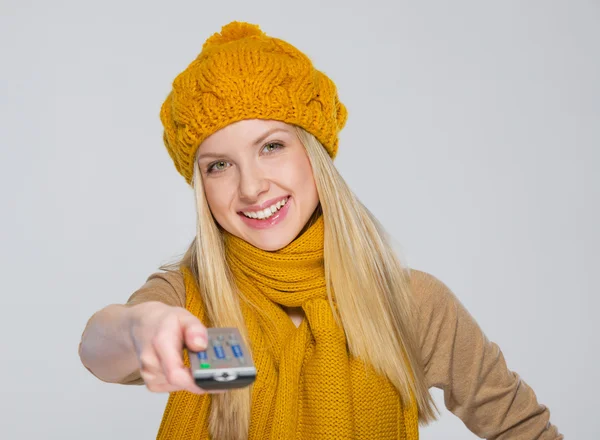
271	245
272	240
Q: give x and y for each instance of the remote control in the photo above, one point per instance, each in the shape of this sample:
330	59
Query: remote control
225	364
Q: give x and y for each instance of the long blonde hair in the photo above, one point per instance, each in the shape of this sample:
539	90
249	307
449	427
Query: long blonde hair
381	327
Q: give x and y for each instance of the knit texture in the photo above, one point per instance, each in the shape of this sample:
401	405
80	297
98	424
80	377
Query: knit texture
241	73
308	386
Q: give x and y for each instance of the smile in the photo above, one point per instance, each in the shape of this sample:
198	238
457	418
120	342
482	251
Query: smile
267	212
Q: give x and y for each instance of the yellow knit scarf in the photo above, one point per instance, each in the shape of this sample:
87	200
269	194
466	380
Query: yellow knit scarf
307	386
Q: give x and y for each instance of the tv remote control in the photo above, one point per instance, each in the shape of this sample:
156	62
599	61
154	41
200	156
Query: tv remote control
225	364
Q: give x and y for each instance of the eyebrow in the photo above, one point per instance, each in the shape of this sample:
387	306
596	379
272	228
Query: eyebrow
269	133
256	142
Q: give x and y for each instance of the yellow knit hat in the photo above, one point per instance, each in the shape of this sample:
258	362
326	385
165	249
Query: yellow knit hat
242	73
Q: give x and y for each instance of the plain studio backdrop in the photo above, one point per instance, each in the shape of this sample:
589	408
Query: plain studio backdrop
473	135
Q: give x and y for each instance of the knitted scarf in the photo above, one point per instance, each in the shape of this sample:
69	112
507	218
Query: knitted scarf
308	386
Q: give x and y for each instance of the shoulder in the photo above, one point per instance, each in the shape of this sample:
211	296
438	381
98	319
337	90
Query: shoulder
163	286
173	278
428	290
438	308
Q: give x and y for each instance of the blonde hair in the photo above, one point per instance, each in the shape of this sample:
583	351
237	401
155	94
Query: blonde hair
381	327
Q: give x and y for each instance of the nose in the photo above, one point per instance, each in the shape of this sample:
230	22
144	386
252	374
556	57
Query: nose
252	184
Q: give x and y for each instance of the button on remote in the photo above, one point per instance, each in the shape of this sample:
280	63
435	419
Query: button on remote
219	352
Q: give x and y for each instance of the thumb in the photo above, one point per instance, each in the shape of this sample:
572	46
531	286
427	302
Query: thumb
194	332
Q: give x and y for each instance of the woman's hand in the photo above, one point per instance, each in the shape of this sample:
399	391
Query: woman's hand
159	332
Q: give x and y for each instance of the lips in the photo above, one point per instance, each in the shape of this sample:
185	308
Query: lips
262	206
272	221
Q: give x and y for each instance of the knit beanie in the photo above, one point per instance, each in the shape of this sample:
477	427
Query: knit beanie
241	73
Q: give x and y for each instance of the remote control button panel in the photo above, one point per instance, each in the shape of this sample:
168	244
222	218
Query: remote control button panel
226	362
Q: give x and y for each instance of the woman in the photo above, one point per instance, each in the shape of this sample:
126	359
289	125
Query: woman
346	341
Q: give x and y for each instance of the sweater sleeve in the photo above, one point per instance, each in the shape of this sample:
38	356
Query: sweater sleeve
166	287
492	401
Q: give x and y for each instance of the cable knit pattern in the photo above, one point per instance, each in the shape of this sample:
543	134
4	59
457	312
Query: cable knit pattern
241	73
307	386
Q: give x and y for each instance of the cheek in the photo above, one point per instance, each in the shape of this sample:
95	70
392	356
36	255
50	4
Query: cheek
300	178
216	196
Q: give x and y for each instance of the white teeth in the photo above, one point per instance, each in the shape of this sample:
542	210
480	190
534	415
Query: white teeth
267	212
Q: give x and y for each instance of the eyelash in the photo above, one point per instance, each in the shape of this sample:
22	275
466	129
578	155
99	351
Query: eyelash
210	169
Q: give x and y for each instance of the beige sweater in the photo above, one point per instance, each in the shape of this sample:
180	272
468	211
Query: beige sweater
492	401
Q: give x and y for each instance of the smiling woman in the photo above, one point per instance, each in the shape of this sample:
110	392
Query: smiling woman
254	173
346	340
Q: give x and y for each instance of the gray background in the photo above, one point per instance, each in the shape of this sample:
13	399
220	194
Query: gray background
473	135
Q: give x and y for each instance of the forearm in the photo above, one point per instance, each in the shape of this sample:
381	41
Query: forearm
106	347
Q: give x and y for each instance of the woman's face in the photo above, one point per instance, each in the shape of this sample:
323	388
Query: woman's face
258	182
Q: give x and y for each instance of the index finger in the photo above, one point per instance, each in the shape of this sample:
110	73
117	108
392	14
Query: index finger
169	350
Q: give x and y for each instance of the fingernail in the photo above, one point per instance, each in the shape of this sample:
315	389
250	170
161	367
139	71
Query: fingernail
200	341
